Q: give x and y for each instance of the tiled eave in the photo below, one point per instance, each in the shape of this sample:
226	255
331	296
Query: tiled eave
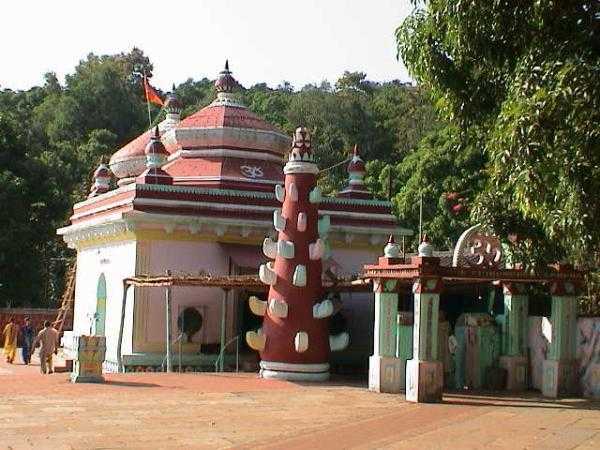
220	211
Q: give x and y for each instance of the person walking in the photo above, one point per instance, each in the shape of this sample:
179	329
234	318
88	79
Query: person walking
28	335
48	340
10	333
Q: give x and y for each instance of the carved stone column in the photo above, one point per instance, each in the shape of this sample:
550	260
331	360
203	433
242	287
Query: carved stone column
385	369
514	336
560	369
424	373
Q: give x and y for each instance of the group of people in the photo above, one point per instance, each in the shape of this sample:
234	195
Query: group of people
47	338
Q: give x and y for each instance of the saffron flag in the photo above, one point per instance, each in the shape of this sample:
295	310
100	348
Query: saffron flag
151	94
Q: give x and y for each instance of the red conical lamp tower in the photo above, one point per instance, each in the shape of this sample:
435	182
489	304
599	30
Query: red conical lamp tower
294	342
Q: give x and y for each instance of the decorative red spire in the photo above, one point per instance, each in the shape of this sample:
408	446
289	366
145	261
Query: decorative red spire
101	180
155	150
294	341
156	157
356	163
102	171
301	146
172	103
225	82
356	173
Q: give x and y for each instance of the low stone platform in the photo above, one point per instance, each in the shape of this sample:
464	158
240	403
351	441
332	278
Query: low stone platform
198	411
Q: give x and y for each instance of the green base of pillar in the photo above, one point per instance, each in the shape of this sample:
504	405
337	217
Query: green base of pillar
560	378
424	381
516	372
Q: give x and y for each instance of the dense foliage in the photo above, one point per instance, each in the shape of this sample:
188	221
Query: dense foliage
520	81
53	137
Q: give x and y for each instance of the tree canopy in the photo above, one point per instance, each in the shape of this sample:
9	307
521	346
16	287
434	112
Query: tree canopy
523	78
519	81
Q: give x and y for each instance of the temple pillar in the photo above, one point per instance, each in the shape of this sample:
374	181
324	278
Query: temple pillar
424	373
560	369
514	336
385	369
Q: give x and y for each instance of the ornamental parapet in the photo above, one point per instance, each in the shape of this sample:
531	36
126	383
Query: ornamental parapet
419	267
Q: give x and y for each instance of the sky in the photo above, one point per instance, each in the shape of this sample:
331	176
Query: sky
268	41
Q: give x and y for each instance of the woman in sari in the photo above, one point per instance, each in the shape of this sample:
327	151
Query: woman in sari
11	333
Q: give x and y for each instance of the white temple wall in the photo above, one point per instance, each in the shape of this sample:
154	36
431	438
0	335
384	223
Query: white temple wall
115	261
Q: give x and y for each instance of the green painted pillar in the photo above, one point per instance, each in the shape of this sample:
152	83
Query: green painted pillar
514	336
424	373
426	319
385	370
560	369
564	327
386	310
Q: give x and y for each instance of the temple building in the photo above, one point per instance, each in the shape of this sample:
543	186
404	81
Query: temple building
196	195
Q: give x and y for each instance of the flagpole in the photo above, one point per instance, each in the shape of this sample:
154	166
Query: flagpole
147	101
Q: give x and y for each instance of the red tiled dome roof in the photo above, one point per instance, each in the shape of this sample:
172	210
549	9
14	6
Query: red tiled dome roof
219	116
135	147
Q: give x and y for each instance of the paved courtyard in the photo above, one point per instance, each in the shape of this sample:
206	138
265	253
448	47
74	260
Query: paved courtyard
191	411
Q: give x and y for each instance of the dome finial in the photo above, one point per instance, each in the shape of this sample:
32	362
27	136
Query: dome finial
225	82
391	250
425	248
301	145
101	179
156	154
356	173
173	105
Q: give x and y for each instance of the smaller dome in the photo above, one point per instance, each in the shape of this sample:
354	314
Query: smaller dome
356	173
102	172
391	250
172	103
155	146
225	82
101	181
356	164
425	247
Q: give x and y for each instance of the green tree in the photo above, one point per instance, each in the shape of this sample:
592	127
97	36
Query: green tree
524	78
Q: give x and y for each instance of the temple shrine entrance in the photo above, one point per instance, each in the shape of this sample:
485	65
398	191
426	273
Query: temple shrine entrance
431	346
